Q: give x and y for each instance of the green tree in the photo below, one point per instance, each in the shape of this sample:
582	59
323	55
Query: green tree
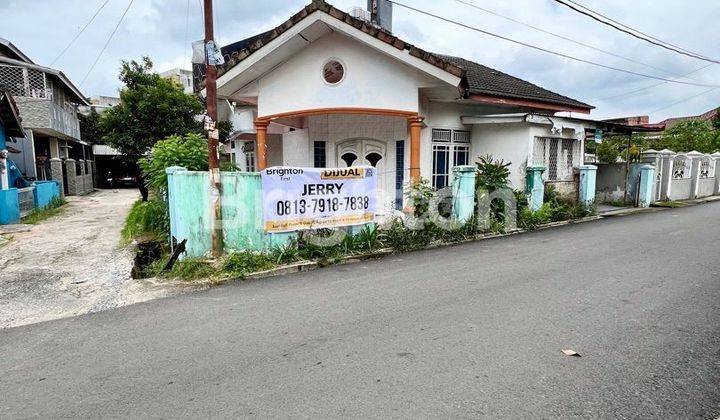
691	135
90	128
716	121
151	108
189	151
607	152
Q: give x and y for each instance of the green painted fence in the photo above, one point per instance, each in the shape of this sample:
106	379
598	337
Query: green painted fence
241	203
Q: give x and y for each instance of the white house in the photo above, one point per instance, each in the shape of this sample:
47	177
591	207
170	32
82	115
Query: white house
327	88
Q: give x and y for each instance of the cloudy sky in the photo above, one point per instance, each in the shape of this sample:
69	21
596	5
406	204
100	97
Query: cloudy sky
163	30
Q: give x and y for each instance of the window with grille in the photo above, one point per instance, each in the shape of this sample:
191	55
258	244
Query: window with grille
24	82
319	154
450	148
559	156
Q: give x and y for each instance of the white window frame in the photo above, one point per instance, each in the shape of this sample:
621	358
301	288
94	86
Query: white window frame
451	141
248	150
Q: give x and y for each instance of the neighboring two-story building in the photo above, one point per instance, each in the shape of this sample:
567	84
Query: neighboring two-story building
48	103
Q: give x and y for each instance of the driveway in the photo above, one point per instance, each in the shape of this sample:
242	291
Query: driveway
71	264
469	331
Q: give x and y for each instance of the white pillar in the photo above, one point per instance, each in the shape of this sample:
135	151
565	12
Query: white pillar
4	182
716	159
694	172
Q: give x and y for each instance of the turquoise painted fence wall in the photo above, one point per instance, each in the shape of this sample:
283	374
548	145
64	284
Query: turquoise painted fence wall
9	206
241	203
45	192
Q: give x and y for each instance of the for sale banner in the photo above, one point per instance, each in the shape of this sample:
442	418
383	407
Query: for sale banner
313	198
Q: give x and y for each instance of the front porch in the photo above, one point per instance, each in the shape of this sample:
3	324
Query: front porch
388	140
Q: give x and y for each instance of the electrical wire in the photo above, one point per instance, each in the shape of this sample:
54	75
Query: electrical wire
565	38
72	41
683	100
630	31
545	50
112	34
636	91
633	29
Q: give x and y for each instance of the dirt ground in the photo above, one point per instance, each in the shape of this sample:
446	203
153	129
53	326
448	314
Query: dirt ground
72	263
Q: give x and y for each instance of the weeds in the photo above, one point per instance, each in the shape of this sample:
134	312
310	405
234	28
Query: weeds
148	218
52	209
188	269
240	264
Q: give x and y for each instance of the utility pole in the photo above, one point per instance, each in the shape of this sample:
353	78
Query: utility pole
212	131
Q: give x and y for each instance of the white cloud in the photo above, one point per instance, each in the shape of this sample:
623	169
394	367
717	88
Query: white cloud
163	30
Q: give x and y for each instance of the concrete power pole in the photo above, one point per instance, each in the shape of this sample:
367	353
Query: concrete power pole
213	136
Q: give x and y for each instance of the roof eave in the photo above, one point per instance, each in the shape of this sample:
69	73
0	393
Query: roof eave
503	100
363	26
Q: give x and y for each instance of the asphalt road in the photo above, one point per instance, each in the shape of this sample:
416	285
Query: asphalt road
468	331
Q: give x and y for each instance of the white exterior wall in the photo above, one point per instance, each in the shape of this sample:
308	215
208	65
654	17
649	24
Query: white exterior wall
372	80
510	142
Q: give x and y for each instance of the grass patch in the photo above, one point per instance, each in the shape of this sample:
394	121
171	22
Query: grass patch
38	215
146	219
187	270
240	264
616	203
669	204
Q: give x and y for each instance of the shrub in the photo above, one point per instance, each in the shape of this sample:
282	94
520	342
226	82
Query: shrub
492	174
419	196
607	152
189	151
149	218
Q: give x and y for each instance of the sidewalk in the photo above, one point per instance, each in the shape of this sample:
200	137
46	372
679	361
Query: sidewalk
70	264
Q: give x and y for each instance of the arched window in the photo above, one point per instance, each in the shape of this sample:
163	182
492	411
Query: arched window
373	158
349	158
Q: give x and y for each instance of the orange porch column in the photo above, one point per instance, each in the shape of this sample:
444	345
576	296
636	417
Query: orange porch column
415	124
261	143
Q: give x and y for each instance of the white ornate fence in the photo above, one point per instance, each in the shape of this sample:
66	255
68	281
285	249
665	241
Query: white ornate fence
684	176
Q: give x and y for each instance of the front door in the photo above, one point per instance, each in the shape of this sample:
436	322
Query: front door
367	152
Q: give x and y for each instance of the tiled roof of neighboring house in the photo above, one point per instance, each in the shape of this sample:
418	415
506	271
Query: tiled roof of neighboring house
706	116
10	116
479	78
484	80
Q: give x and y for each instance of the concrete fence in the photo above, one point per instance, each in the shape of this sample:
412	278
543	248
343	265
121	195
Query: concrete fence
78	175
683	176
675	176
16	203
189	206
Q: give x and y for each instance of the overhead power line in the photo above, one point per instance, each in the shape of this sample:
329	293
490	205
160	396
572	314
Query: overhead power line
72	41
630	31
565	38
545	50
633	29
683	100
112	34
636	91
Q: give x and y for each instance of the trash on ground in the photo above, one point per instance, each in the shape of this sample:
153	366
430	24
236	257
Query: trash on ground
570	352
